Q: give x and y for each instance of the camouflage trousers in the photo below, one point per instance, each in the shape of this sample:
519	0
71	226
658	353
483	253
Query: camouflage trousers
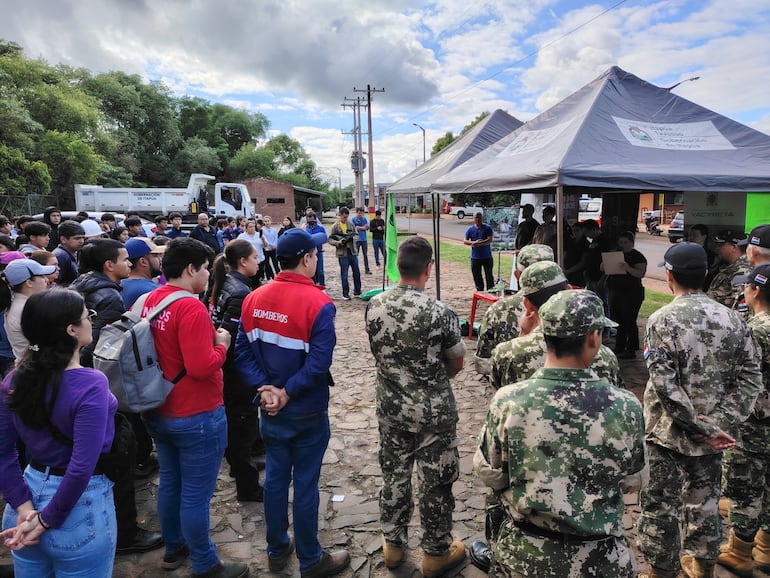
747	478
436	459
518	554
682	497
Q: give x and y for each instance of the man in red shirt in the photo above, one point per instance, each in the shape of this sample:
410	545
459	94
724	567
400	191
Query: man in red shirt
190	428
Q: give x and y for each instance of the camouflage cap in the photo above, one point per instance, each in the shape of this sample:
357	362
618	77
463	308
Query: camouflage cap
573	313
532	254
541	276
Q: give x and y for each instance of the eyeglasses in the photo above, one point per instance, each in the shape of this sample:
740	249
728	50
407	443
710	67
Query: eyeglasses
90	315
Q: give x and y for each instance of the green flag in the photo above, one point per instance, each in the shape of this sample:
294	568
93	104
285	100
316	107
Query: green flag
391	244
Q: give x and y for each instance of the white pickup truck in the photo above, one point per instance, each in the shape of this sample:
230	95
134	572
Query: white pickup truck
460	212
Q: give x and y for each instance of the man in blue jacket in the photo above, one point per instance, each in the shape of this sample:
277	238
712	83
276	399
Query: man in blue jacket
284	350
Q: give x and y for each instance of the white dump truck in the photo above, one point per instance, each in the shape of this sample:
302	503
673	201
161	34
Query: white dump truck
229	199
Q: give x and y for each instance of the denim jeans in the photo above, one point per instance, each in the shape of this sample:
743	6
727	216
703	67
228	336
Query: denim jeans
350	261
294	450
365	246
378	246
190	451
83	546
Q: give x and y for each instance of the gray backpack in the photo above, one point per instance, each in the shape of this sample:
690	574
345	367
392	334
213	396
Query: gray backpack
125	353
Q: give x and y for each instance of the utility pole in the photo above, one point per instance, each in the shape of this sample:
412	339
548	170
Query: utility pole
357	159
369	90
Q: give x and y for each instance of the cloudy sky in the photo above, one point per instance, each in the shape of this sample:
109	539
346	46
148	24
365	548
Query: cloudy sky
441	63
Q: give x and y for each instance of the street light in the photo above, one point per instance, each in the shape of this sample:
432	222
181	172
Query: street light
670	88
423	140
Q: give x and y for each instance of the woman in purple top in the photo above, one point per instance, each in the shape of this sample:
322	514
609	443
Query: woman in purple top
60	517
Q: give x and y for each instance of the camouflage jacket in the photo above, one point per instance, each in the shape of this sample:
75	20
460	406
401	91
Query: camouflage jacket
518	359
412	336
722	290
702	361
565	446
500	324
760	333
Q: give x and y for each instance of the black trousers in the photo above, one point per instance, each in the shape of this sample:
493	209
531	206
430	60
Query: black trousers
125	499
624	310
242	432
476	267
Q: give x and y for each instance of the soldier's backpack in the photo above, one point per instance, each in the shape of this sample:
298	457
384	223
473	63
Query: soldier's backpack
125	353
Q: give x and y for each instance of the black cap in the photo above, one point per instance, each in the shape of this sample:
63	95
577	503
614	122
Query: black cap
760	236
685	257
734	236
759	276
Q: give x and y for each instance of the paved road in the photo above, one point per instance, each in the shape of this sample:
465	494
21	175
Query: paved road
454	229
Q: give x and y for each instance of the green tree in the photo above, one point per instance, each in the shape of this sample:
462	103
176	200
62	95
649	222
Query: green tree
19	176
442	143
248	162
197	157
69	161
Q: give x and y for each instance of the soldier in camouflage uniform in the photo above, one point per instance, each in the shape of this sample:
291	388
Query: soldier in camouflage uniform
518	359
747	466
563	447
704	378
732	251
417	346
501	321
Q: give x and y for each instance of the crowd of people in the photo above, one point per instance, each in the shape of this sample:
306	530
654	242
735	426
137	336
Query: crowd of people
58	420
249	349
558	449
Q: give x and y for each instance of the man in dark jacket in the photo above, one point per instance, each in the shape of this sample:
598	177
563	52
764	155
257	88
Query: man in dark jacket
103	264
71	237
52	218
205	234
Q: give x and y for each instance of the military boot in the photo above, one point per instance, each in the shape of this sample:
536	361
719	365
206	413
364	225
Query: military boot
761	551
434	566
724	507
392	553
736	555
698	567
658	573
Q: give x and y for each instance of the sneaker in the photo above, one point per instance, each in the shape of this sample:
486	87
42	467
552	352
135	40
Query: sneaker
357	293
368	271
278	563
346	297
175	559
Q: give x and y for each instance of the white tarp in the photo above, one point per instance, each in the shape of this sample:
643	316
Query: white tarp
621	132
490	130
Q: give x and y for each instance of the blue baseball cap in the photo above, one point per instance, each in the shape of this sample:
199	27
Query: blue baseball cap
295	242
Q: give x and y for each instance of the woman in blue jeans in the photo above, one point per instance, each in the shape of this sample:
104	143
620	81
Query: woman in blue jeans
60	517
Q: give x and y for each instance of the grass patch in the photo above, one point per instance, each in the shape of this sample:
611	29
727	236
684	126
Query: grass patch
653	300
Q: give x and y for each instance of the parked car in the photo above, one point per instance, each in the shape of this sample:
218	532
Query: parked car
471	210
676	228
590	208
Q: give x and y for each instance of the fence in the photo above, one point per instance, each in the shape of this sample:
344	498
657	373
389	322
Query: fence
13	205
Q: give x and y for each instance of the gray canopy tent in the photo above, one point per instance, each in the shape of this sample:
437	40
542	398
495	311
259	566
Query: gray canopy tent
620	132
487	132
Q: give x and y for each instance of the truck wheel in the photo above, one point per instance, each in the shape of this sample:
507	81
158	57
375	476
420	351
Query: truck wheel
460	214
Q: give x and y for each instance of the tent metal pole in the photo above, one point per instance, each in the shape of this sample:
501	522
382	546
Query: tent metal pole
436	216
559	229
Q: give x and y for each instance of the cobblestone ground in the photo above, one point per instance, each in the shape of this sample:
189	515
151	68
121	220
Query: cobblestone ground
350	478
